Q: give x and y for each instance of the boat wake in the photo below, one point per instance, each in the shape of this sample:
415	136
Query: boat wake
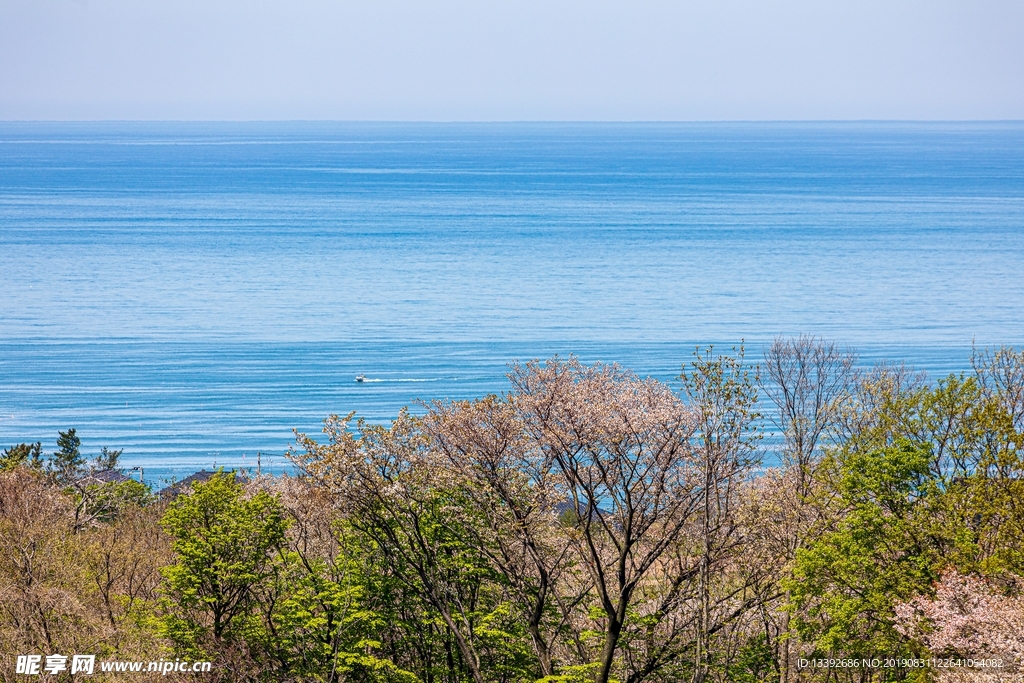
369	380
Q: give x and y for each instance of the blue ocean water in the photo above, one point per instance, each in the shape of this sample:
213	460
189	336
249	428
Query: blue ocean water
193	292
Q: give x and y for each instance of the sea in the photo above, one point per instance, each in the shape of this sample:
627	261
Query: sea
195	293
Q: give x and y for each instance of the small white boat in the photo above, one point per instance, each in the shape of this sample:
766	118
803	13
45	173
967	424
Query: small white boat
360	378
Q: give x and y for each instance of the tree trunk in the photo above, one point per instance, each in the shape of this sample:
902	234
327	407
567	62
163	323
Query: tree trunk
467	651
611	642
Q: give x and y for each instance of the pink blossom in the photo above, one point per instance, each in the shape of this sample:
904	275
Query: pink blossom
968	618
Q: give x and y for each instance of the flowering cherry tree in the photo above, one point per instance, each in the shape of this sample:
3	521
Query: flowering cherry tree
968	618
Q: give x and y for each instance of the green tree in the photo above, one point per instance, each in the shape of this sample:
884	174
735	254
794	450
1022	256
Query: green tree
226	547
326	610
67	463
108	459
846	582
973	427
29	455
318	623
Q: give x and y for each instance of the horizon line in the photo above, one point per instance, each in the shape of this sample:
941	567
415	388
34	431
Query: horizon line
511	121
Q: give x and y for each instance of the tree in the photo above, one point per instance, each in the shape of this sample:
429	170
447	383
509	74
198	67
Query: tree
511	482
1001	374
225	546
104	501
579	503
882	404
123	557
67	463
847	581
620	446
994	495
43	591
324	611
71	589
807	380
23	454
108	459
397	492
977	451
968	617
722	393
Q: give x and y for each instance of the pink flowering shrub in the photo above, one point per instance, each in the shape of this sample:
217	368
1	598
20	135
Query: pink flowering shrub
968	618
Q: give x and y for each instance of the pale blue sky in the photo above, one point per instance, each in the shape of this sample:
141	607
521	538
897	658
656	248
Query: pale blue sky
511	60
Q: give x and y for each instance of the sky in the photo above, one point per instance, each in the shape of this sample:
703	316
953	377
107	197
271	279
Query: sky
511	60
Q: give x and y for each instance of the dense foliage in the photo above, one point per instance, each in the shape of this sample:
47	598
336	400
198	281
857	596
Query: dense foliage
589	525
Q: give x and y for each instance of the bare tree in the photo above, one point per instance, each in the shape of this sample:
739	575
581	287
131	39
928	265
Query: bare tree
68	590
124	558
1001	375
39	582
806	379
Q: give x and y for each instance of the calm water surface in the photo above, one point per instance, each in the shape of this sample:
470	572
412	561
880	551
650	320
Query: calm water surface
192	292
